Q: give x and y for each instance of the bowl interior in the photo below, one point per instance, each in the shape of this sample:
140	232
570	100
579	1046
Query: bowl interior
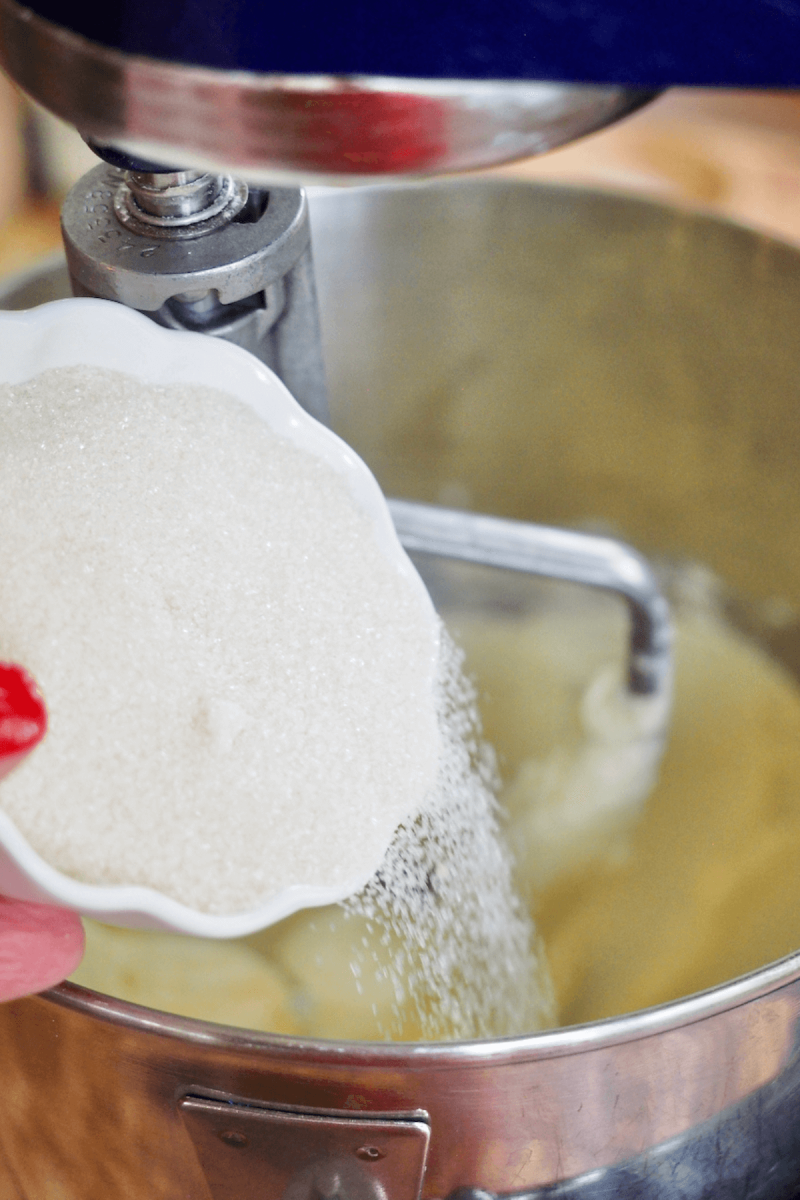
581	359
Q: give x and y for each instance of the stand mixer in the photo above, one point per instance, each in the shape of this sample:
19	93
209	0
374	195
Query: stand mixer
695	1099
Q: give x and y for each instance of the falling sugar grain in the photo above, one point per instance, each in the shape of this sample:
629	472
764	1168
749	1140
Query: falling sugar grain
460	951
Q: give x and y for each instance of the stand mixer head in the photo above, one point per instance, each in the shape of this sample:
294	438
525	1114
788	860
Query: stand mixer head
375	90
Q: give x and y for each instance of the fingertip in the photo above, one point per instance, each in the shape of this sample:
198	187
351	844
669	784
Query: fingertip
40	945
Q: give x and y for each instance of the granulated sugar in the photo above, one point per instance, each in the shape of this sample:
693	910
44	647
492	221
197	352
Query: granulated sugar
239	683
460	950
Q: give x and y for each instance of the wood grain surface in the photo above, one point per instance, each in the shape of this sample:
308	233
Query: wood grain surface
733	153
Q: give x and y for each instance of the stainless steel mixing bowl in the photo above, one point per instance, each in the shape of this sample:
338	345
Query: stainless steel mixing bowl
541	353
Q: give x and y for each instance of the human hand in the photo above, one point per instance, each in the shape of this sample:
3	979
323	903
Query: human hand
39	946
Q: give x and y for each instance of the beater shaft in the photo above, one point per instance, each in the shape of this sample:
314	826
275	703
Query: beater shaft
560	554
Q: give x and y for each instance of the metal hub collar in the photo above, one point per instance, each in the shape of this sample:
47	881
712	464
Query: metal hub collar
180	204
143	265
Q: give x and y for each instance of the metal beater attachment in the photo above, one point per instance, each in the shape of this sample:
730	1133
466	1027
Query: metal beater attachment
559	554
203	252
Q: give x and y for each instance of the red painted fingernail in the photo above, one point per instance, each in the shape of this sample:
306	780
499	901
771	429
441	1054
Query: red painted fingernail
23	716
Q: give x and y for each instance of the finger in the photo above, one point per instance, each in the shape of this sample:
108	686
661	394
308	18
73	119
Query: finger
39	946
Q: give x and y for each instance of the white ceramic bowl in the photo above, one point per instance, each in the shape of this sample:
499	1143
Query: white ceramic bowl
101	334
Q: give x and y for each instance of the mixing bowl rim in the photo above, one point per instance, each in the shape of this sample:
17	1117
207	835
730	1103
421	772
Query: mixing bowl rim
549	1043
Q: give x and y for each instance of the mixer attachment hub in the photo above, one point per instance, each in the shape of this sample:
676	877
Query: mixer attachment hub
178	204
202	252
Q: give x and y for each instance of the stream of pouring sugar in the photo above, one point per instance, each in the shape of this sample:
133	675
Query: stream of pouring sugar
463	953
